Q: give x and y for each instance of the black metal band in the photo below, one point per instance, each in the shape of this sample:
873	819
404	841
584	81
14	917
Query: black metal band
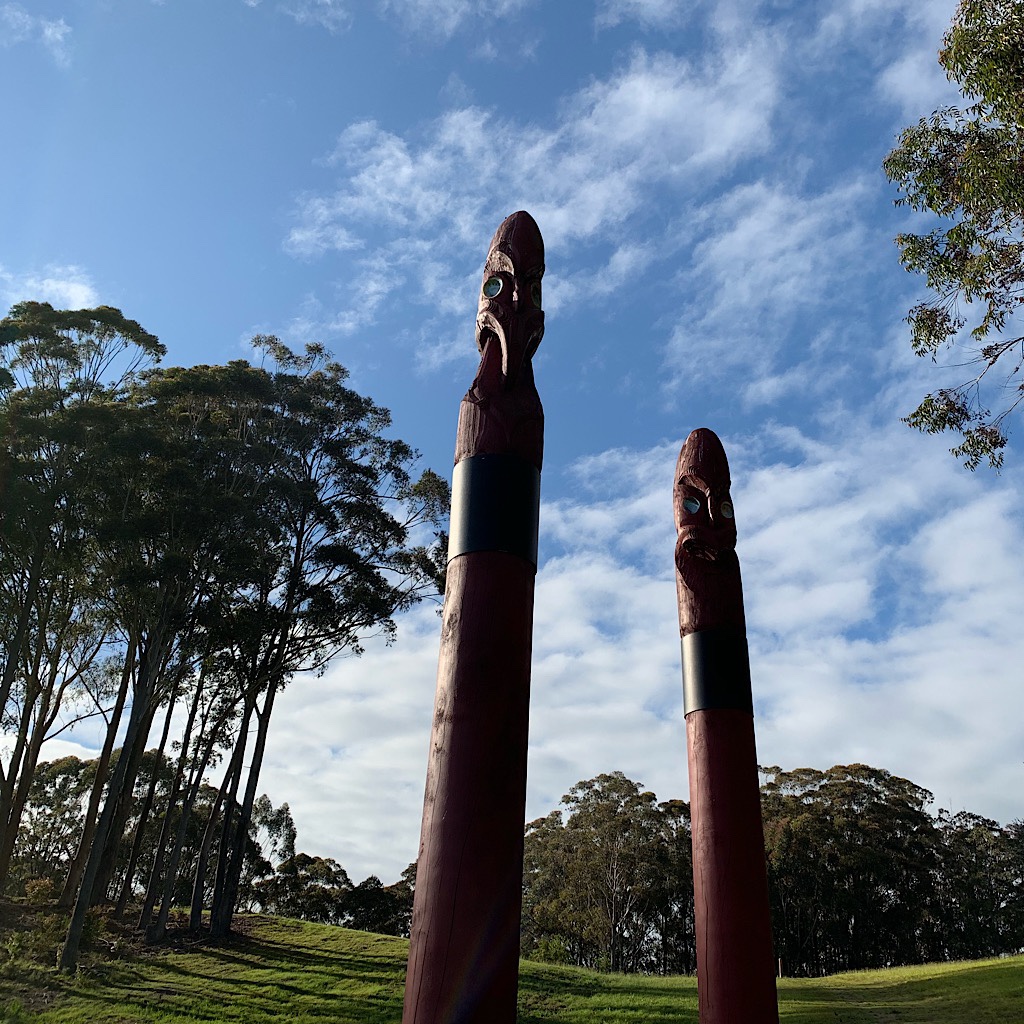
716	671
495	506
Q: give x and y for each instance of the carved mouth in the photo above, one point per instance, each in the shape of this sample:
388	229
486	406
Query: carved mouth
698	549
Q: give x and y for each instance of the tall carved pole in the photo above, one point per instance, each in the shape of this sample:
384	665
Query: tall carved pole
735	964
464	950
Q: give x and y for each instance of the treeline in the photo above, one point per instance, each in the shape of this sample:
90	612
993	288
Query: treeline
176	544
275	879
860	876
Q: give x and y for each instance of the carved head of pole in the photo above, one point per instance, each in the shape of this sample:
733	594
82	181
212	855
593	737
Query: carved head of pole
708	579
510	294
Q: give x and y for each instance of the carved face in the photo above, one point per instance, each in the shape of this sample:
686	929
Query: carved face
510	293
703	507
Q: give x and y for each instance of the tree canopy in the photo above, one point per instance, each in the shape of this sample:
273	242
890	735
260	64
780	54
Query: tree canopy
967	167
860	875
181	540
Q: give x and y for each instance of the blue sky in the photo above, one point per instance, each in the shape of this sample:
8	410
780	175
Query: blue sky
719	247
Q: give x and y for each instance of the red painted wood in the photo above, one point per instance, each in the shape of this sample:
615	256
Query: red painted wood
464	947
464	953
735	961
735	958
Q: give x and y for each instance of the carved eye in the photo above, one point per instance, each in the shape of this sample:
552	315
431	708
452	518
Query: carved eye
492	286
692	505
535	293
727	509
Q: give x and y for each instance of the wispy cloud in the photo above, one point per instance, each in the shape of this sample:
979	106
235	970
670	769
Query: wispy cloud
64	287
430	20
444	17
332	15
651	13
765	256
871	527
874	527
660	121
19	26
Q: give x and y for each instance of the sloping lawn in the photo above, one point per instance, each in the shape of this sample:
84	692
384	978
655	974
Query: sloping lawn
282	970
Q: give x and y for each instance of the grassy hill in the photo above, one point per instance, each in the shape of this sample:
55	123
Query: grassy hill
282	970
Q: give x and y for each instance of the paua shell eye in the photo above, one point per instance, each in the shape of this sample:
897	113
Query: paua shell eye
535	293
727	509
691	505
492	286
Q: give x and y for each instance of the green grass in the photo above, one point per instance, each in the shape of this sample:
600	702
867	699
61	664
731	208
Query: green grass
974	992
282	970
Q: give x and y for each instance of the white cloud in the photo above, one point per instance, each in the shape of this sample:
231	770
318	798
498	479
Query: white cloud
895	47
661	121
445	17
64	287
913	79
650	13
332	15
662	125
883	606
438	19
18	26
764	256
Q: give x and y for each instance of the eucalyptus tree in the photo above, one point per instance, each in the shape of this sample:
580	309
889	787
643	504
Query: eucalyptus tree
63	372
977	876
851	864
258	520
672	901
178	518
209	717
52	819
592	881
964	167
355	542
307	887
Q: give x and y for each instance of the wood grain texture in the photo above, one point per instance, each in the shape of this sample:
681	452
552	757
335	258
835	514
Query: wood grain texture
735	958
464	953
464	946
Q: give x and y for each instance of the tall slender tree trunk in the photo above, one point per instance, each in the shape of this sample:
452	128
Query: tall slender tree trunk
68	958
156	933
28	768
220	921
132	751
9	781
225	798
77	867
227	795
195	918
228	837
147	807
16	642
149	901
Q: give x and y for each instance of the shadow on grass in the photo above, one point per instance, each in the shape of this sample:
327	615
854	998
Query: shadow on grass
252	978
565	994
979	992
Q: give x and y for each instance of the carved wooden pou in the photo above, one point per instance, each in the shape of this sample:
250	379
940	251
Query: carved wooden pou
735	962
464	948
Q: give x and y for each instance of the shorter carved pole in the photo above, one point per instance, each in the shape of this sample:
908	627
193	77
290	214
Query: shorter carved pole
464	946
735	961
